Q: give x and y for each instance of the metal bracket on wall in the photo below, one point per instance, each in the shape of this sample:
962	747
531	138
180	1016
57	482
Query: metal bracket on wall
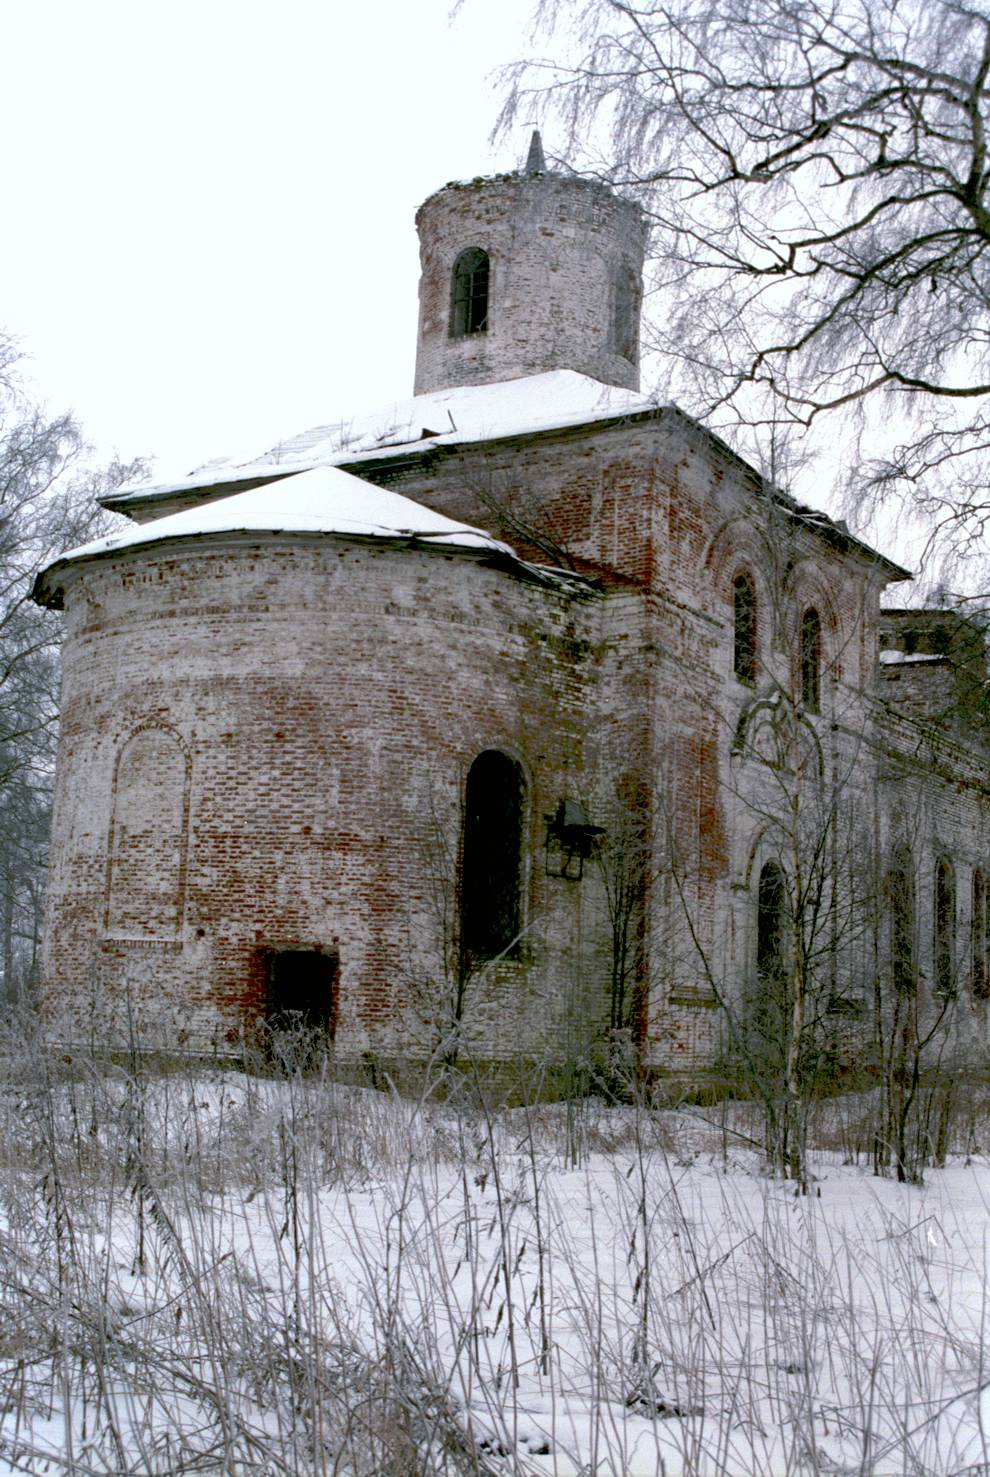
569	840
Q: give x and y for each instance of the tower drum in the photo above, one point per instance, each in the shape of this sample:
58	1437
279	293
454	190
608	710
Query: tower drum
526	273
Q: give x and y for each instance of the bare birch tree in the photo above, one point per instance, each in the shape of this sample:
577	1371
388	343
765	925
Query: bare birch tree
47	503
817	171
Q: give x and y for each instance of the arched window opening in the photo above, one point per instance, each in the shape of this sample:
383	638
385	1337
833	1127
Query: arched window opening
744	628
978	938
491	874
945	928
811	661
767	1000
770	924
469	308
625	314
900	903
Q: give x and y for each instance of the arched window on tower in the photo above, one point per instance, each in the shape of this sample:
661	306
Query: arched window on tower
979	922
469	299
491	872
744	628
811	661
625	313
944	940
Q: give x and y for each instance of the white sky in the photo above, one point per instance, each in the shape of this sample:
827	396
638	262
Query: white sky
209	240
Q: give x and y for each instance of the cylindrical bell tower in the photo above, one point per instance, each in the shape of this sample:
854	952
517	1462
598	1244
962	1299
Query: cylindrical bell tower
525	273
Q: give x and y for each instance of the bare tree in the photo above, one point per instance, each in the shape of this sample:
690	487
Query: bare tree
47	502
821	975
792	1005
818	177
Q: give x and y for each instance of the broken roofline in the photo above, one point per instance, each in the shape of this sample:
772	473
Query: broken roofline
485	412
835	534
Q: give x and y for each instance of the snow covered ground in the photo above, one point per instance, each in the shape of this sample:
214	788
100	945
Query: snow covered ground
225	1273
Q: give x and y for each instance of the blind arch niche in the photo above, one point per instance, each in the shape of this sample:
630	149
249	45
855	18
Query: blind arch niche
148	837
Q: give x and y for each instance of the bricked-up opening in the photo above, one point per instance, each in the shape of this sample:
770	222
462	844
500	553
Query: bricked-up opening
900	913
945	928
744	628
469	303
148	837
625	313
302	992
980	977
491	872
811	661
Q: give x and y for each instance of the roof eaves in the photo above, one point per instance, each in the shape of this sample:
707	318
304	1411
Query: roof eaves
48	590
427	452
422	451
837	534
116	502
834	532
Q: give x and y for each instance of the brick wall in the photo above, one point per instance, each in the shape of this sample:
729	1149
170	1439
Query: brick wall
666	517
555	245
329	697
323	700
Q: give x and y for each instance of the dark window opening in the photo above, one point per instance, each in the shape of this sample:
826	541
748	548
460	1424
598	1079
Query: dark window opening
900	898
811	661
770	919
980	944
302	994
767	1002
744	628
491	874
625	314
469	309
945	928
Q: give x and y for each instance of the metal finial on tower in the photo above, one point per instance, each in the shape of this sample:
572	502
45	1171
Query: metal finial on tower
535	162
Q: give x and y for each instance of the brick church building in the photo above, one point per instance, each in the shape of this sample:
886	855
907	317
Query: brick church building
523	710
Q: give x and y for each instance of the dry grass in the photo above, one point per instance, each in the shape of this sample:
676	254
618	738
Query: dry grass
215	1271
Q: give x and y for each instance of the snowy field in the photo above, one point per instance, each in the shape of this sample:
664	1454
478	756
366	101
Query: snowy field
223	1273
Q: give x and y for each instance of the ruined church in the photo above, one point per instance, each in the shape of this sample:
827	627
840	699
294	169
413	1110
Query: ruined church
523	713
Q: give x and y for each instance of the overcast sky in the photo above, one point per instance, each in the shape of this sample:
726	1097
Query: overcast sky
209	237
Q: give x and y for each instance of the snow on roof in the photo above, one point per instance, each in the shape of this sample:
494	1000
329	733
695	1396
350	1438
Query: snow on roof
890	658
456	416
450	417
324	500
